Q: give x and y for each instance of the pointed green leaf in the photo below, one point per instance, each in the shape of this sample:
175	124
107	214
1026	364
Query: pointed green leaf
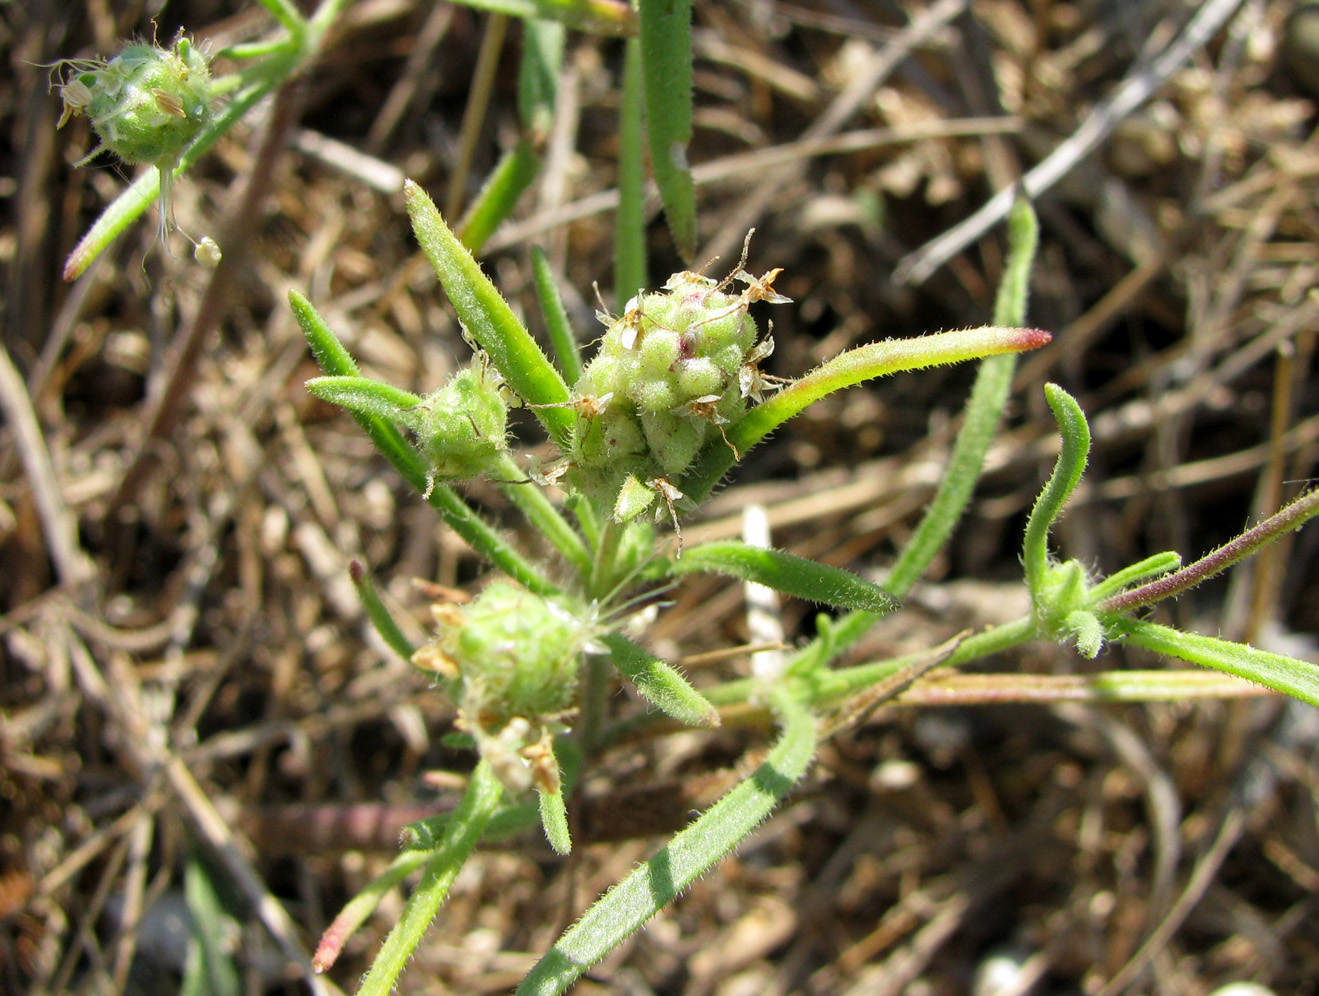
463	833
562	339
787	573
488	318
846	370
1297	678
666	80
660	683
599	17
364	396
657	882
554	818
499	196
630	223
982	414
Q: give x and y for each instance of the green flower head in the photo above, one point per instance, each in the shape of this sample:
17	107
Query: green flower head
462	427
147	104
511	658
676	367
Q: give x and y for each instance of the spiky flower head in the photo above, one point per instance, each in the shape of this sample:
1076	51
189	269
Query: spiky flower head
670	373
147	104
511	658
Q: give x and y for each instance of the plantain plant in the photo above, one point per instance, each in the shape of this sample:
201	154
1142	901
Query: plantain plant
671	400
673	397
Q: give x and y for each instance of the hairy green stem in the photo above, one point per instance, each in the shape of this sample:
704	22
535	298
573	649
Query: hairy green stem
1293	516
1062	482
464	832
628	905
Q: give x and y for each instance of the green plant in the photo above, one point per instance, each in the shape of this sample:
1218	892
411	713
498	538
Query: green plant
160	106
672	399
651	424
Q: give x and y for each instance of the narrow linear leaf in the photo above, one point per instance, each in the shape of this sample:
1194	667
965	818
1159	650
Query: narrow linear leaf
981	416
660	684
464	832
364	396
217	974
690	854
1297	678
361	906
331	354
379	613
630	223
488	318
787	573
562	339
600	17
847	370
508	181
538	77
666	81
1075	432
541	513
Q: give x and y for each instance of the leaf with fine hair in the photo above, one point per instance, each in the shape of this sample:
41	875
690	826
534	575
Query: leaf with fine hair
847	370
364	396
784	572
562	339
657	882
463	834
488	318
660	684
1297	678
666	81
1075	432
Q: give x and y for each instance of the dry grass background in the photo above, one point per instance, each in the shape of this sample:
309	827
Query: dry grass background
183	665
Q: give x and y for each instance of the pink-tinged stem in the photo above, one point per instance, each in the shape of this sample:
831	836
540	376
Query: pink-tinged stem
1290	517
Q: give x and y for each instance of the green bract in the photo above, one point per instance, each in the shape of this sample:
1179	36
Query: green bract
674	369
147	104
512	657
462	427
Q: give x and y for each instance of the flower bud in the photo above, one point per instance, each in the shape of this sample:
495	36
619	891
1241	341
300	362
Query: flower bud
147	104
675	366
462	427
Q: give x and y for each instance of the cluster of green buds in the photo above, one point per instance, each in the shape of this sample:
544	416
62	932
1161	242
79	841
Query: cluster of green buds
146	105
670	373
512	659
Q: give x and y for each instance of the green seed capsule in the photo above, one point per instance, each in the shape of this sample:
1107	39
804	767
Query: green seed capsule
147	104
462	427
